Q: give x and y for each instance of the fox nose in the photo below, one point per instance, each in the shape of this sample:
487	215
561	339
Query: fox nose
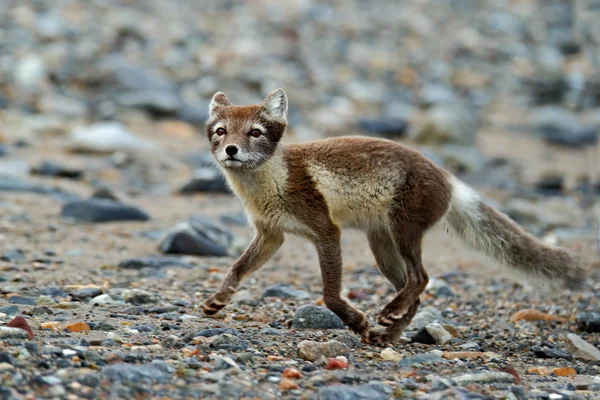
231	150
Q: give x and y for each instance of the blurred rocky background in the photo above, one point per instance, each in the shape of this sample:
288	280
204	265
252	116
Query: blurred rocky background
102	105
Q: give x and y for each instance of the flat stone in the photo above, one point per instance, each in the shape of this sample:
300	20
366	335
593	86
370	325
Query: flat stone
154	372
314	317
100	210
285	291
138	263
369	391
579	348
312	351
484	378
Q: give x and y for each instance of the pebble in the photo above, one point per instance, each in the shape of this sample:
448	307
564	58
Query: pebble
106	137
579	348
447	123
44	301
484	378
138	296
51	326
100	210
424	359
227	342
561	127
17	333
154	372
52	169
438	333
107	300
370	391
531	314
312	351
287	384
285	292
205	180
390	354
78	327
589	321
21	323
339	362
199	237
315	317
138	263
291	373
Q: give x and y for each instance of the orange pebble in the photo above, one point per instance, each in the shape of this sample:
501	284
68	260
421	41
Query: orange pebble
78	327
340	362
288	384
291	373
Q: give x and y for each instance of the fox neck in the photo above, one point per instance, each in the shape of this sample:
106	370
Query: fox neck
259	183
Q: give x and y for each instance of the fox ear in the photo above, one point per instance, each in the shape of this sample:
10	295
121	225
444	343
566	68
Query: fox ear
276	105
219	100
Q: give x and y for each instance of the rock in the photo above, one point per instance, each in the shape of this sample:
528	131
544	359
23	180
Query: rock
389	354
53	103
420	360
384	127
228	342
564	371
16	333
314	317
13	255
44	301
16	184
151	373
106	194
579	348
545	352
138	263
551	183
340	362
205	180
21	323
9	310
290	373
28	301
199	236
285	292
445	124
483	378
48	168
158	102
287	384
98	210
216	331
29	74
561	127
531	314
106	137
589	321
312	351
369	391
424	317
438	333
107	300
462	159
78	327
138	296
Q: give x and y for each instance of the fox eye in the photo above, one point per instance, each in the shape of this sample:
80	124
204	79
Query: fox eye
255	133
221	131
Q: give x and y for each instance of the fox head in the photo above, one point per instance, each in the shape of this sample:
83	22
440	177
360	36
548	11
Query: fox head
244	137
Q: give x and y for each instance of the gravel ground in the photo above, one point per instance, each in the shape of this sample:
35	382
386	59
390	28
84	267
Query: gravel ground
114	228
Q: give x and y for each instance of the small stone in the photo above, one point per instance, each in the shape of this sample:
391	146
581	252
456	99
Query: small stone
153	262
447	123
99	210
285	292
170	342
67	305
154	372
541	371
51	169
205	180
438	333
484	378
9	310
287	384
51	326
198	236
579	348
78	327
228	342
370	391
16	333
384	127
589	321
312	351
314	317
138	296
531	314
44	301
561	127
452	355
106	137
390	354
102	326
564	371
107	300
21	323
424	317
291	373
339	362
27	301
424	359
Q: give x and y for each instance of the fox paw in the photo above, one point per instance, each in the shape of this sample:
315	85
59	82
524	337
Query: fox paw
378	338
212	306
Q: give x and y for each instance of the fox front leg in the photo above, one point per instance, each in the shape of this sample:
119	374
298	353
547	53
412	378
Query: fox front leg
263	246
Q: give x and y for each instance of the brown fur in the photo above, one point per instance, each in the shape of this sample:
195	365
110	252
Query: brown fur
391	192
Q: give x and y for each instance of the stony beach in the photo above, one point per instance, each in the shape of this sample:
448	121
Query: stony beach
115	225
